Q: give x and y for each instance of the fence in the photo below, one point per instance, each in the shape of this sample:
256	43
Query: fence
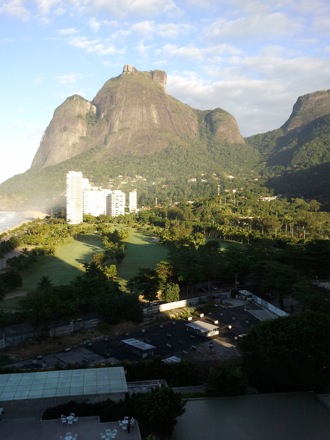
12	338
266	305
151	310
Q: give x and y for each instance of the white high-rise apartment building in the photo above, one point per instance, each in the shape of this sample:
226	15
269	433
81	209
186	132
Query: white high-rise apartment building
74	197
132	201
95	201
116	203
82	198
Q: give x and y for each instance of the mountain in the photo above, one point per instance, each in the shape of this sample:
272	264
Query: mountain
133	135
131	128
296	157
131	114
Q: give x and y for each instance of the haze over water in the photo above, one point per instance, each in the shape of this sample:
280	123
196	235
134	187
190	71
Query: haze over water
12	219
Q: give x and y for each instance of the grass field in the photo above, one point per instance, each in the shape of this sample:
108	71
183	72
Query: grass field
67	263
142	251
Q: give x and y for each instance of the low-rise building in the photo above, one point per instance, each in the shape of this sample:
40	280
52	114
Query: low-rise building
202	328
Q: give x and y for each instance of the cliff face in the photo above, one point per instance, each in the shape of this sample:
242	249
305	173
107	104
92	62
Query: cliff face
308	108
131	114
223	126
66	136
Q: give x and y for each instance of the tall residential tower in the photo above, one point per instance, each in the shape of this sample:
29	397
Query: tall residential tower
132	201
74	197
82	198
116	203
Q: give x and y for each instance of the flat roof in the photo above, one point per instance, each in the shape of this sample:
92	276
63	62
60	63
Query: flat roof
172	360
62	383
202	326
284	416
245	293
136	343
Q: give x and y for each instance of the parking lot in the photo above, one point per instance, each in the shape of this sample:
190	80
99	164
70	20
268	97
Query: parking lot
169	337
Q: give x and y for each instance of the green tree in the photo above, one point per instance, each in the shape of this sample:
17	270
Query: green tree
145	283
129	308
9	280
164	272
171	292
110	271
289	354
98	258
226	379
279	279
94	270
160	407
44	284
41	309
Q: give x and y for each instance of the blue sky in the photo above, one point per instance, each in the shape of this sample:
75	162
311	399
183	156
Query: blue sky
253	58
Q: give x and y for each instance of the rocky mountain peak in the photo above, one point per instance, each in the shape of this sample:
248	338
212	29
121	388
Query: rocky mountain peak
130	115
159	76
308	108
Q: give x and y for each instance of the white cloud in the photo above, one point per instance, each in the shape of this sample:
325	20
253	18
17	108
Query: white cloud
191	52
149	28
67	31
69	78
24	9
306	7
15	8
144	28
128	8
257	105
143	49
93	46
94	24
322	24
258	91
259	25
172	30
223	49
45	6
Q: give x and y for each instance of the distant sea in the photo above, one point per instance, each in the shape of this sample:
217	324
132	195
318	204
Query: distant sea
12	219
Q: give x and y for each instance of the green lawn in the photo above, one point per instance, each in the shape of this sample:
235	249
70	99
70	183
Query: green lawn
66	264
61	268
142	251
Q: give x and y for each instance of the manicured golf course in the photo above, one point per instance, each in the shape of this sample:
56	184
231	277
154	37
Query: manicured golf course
142	251
67	263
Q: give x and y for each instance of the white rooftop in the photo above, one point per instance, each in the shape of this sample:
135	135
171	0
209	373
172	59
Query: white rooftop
141	345
172	360
202	326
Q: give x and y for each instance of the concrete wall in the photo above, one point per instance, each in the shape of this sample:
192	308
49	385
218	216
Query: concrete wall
194	301
173	305
266	305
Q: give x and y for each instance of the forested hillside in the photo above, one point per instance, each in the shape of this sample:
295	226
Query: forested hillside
174	174
297	162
